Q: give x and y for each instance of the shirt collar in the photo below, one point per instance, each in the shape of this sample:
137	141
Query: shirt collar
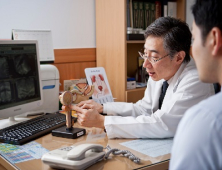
178	73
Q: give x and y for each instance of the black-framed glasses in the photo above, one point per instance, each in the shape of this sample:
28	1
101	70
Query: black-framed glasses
151	59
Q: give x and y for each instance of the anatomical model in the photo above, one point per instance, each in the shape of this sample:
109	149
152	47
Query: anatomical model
77	93
66	100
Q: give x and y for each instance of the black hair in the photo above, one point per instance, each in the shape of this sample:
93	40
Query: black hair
207	14
175	33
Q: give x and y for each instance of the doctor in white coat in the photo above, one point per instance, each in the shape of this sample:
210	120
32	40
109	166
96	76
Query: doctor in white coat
166	55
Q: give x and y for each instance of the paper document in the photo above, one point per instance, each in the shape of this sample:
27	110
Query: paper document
21	153
150	147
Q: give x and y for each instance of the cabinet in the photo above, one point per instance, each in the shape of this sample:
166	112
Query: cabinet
113	52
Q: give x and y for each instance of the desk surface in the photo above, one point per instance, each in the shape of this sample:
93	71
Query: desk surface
93	135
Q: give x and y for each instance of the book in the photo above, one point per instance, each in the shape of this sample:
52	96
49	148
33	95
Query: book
146	14
135	14
152	12
172	9
128	14
158	9
141	15
131	13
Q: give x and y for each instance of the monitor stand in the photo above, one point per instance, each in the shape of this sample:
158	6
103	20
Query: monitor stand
11	121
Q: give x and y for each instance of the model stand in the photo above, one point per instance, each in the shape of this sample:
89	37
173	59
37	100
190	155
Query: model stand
68	131
78	92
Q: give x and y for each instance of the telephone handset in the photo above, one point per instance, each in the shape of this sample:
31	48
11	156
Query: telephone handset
74	157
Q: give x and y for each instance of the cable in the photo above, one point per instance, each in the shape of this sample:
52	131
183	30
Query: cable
125	153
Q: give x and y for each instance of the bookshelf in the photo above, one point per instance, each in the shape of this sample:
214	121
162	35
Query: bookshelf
114	52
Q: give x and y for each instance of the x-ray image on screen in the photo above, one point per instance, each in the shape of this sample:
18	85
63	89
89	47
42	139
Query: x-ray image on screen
5	92
20	82
25	88
4	68
21	65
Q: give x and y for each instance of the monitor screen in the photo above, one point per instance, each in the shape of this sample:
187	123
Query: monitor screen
20	85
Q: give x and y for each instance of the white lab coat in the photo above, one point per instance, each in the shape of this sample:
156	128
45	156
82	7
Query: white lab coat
144	120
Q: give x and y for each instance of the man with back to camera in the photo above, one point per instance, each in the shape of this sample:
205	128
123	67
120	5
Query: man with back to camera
198	141
167	61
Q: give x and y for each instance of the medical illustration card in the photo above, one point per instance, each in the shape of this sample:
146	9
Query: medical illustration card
97	77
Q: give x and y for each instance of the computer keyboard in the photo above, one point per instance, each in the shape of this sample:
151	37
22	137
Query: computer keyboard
29	130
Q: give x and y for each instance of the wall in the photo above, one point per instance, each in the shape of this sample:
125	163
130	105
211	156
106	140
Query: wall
72	22
73	29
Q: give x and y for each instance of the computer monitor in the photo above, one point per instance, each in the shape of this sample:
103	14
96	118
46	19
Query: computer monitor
20	83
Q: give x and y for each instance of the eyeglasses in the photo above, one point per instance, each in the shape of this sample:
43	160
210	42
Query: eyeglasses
151	59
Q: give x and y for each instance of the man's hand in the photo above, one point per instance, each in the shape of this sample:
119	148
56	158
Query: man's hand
88	116
95	105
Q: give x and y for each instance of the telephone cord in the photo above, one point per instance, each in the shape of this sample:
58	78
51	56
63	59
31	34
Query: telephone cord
125	153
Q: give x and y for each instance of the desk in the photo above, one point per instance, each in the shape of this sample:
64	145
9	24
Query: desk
93	135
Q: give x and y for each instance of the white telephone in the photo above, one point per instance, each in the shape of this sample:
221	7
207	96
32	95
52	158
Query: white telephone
74	157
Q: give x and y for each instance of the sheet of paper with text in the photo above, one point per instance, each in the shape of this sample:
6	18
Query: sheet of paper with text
150	147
